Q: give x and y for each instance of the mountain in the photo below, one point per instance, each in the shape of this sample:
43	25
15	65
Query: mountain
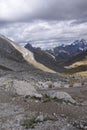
44	58
17	58
67	57
64	52
72	57
10	57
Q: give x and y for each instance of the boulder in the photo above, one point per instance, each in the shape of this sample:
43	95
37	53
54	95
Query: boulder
77	85
57	84
45	85
25	88
61	96
37	95
66	86
18	87
40	118
48	84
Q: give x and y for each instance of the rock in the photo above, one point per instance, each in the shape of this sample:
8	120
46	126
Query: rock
57	84
18	87
6	85
66	86
40	118
36	95
40	85
24	88
45	85
77	85
61	96
48	84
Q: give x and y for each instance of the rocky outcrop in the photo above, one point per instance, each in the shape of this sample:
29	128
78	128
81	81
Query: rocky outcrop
49	85
19	87
62	96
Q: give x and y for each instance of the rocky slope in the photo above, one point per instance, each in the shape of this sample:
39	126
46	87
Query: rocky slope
45	58
13	52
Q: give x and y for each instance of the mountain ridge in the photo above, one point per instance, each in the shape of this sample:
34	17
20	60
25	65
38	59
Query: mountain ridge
62	52
45	58
9	47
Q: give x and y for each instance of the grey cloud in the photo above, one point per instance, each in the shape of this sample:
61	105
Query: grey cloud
46	10
64	10
42	33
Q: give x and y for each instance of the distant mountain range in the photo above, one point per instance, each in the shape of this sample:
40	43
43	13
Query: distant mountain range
60	53
62	58
64	52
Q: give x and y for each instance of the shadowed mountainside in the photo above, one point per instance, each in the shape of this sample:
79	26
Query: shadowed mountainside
15	57
45	58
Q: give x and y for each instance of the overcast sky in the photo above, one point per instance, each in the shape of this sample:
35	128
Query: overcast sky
44	23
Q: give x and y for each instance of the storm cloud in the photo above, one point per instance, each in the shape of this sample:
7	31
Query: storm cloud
43	21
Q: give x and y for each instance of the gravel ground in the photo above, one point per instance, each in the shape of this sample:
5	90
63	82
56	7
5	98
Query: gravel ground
14	108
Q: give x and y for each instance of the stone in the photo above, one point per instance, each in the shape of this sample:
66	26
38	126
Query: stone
57	84
45	85
40	118
66	86
77	85
37	95
62	96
